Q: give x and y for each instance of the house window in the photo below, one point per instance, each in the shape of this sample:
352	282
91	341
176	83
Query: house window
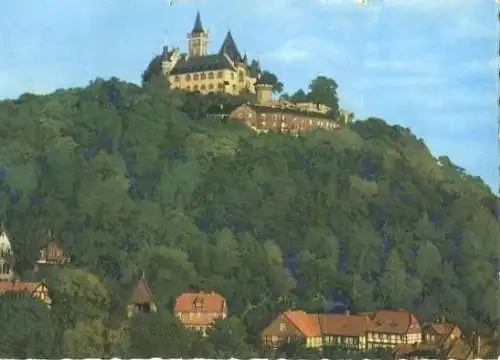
195	88
241	76
188	88
219	74
220	86
196	77
234	87
211	75
188	77
203	87
211	86
232	76
282	327
203	76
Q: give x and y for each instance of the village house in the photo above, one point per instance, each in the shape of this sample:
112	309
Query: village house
141	299
52	254
6	258
440	333
198	311
344	330
391	328
36	289
293	325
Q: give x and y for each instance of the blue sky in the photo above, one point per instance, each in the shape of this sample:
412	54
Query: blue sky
429	65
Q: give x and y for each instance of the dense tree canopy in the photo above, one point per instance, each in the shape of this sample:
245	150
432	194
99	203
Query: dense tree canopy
135	179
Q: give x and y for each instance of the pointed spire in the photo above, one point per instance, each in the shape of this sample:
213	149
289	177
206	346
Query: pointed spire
229	48
198	27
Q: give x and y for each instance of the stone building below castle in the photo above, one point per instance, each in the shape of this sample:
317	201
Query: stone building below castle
226	71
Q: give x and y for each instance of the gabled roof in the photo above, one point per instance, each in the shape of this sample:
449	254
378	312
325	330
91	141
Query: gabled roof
201	63
441	328
4	241
307	324
8	286
202	302
229	47
343	324
142	293
53	252
198	27
395	322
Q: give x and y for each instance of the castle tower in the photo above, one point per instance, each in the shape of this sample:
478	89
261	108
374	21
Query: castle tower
263	93
198	39
230	49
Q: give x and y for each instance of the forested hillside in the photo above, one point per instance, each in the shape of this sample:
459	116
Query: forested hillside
133	179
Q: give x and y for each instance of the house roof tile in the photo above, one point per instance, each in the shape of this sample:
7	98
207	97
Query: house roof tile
7	286
142	293
211	302
307	324
395	322
343	324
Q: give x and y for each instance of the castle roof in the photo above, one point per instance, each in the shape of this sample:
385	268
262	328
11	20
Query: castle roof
201	63
198	27
229	47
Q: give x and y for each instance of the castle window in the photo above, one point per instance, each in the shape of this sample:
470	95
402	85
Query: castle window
5	269
234	87
220	85
203	87
196	77
232	76
241	76
203	76
210	75
195	88
219	74
211	86
188	77
177	78
188	88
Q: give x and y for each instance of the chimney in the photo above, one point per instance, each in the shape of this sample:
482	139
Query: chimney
263	93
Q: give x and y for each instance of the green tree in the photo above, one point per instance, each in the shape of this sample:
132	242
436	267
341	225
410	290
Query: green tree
78	295
84	340
27	327
323	90
270	78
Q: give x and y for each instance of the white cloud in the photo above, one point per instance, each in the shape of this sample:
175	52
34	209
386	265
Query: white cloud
305	48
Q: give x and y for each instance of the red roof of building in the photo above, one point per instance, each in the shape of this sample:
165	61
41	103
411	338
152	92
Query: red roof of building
344	324
395	322
211	302
307	324
7	286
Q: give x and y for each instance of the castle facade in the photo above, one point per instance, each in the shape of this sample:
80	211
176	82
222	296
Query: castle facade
226	71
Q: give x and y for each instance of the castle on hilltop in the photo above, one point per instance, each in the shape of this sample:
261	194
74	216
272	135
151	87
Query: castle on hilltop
226	71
